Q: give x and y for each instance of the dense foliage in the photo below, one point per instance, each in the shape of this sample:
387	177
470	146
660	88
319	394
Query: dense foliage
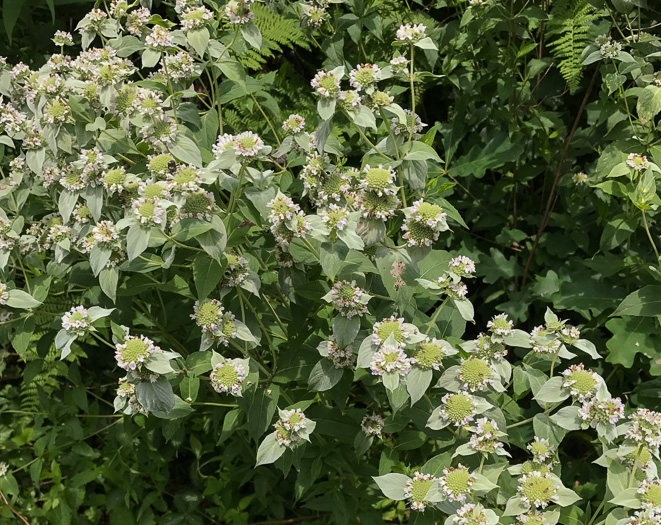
315	262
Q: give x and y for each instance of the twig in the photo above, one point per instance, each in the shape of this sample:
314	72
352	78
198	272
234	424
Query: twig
558	172
12	508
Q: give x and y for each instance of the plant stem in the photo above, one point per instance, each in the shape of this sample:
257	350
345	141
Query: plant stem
433	319
649	236
311	248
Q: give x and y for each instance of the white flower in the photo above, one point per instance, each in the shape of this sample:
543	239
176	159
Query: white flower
293	420
388	359
416	490
294	123
500	325
411	33
148	210
4	467
247	144
462	266
608	411
326	84
404	128
363	76
159	38
348	299
76	320
4	293
238	11
195	17
62	38
227	377
457	482
134	351
372	425
637	162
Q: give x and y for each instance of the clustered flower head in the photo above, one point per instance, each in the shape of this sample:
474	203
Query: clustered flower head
582	383
417	488
411	33
294	124
463	266
459	409
607	411
471	514
4	293
500	325
134	351
76	321
541	449
326	84
424	223
195	17
645	517
392	325
538	489
637	162
452	286
610	48
227	377
390	358
291	427
429	354
239	12
544	341
364	76
335	218
348	299
487	348
413	125
212	318
62	38
457	483
475	373
237	270
341	356
372	425
650	494
645	427
148	211
485	437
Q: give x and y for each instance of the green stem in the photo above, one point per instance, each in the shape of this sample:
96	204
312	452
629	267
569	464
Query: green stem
392	135
433	319
311	248
479	470
412	87
268	120
167	74
649	236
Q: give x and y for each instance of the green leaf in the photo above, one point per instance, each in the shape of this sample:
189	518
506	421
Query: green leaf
552	391
269	450
252	35
649	103
632	335
137	240
108	281
199	40
326	107
417	383
11	10
644	302
345	330
627	498
156	396
21	299
186	150
214	241
324	376
567	418
207	273
392	485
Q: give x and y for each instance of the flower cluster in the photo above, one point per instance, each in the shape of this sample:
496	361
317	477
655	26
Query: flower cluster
76	321
417	488
541	450
388	359
292	427
459	409
582	383
227	377
645	427
372	425
607	411
457	482
538	489
475	373
484	437
348	299
341	356
424	224
134	352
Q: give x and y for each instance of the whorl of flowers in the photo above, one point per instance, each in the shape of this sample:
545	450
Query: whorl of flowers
4	468
148	211
326	84
76	321
462	266
198	205
487	348
372	425
159	38
424	224
471	514
411	33
177	67
364	76
7	235
341	356
459	409
288	428
645	426
238	11
349	99
134	351
390	358
161	132
105	232
543	341
645	517
348	299
541	449
227	377
500	325
485	437
637	162
379	180
375	206
416	490
62	38
223	143
429	354
335	218
195	17
608	411
457	482
650	494
247	144
582	383
390	326
237	270
452	287
475	373
282	209
294	124
610	49
538	489
208	315
412	125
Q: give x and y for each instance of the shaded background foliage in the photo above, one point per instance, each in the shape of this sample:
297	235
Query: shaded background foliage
516	115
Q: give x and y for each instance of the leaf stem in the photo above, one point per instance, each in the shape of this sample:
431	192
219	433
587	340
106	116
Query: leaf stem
649	236
433	319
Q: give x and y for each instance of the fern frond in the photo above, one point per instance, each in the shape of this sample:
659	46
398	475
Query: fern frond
569	23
